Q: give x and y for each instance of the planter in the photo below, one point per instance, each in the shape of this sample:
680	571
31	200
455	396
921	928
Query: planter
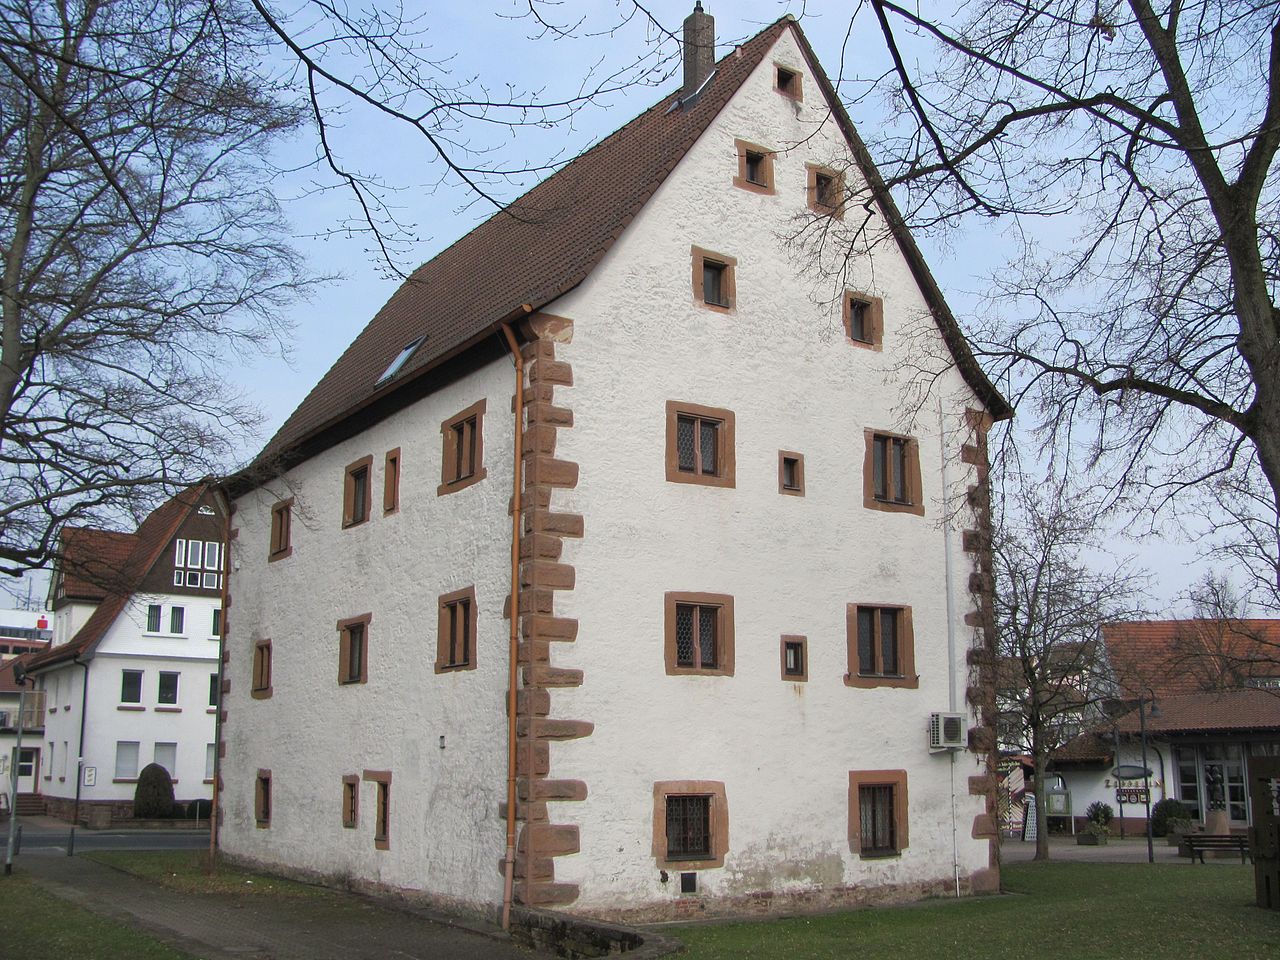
1091	840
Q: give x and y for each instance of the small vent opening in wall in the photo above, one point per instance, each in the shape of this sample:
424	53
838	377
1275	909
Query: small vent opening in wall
688	882
946	731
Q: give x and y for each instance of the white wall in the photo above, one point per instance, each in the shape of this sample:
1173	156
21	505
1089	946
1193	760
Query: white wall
1090	784
446	835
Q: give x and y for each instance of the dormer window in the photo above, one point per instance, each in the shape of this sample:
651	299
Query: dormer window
401	359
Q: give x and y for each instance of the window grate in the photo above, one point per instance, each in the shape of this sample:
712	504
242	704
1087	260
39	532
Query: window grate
876	827
688	827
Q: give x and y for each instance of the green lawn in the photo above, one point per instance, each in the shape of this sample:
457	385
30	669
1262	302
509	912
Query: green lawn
39	926
1059	911
188	871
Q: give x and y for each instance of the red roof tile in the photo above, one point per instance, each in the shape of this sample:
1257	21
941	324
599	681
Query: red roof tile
1177	657
7	683
545	244
92	560
1209	712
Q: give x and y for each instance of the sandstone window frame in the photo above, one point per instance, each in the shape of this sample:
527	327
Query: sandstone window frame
260	685
382	810
280	544
719	823
262	799
765	185
726	457
449	606
906	678
462	457
794	672
793	485
724	641
872	319
914	502
728	267
816	175
789	82
350	801
391	482
357	492
897	781
351	658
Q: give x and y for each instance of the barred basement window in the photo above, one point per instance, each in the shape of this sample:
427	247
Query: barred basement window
876	827
688	827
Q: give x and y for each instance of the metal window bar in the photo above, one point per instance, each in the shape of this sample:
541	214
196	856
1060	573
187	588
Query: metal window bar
876	827
688	827
697	636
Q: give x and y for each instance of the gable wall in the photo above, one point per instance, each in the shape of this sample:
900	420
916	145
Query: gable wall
781	363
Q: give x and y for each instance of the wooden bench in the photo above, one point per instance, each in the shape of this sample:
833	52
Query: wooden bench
1198	843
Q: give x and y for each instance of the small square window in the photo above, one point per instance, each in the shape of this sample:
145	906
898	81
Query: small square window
755	167
177	619
881	646
795	659
262	798
356	494
700	444
699	634
826	191
791	473
462	462
788	83
713	279
261	686
891	474
130	686
863	317
353	649
350	801
456	636
281	530
167	693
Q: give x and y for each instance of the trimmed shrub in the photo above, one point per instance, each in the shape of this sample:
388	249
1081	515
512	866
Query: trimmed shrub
1164	811
179	811
1099	813
200	809
153	796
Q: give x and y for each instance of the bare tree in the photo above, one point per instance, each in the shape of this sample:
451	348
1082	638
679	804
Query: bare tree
1127	149
1050	600
1220	647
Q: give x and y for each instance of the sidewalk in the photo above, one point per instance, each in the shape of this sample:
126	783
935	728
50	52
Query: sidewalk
1116	850
330	926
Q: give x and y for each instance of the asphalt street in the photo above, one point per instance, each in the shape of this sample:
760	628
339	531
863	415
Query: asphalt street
42	838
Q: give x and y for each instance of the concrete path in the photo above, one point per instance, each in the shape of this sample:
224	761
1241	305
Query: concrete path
329	926
1128	850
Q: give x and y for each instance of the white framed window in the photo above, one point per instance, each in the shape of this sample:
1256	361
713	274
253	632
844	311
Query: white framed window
211	581
210	753
126	759
166	754
180	553
195	548
211	555
177	578
177	619
153	619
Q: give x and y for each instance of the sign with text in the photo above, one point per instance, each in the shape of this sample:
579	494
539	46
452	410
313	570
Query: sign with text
90	776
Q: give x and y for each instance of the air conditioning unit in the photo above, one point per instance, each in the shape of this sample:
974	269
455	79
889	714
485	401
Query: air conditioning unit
947	731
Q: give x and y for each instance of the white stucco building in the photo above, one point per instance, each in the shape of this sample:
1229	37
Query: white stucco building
750	550
137	617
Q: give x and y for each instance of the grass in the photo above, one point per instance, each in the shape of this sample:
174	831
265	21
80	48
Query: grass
188	871
1067	911
39	926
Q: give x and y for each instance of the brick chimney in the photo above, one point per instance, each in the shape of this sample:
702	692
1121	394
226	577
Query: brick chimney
699	49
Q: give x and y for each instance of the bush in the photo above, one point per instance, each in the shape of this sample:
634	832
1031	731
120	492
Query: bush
179	811
1099	813
153	797
1164	811
200	809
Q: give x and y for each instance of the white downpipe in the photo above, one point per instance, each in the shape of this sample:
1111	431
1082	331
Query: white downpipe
951	636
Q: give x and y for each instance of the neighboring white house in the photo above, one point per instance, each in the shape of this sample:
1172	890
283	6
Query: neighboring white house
137	616
750	556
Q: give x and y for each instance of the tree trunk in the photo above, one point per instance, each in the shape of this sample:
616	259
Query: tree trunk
1041	759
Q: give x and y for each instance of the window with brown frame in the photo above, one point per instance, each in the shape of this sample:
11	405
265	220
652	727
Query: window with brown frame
699	634
755	167
690	824
878	812
281	530
382	813
350	801
357	492
462	462
788	83
891	474
261	687
262	798
795	658
391	482
700	444
456	637
791	473
714	284
863	317
825	190
353	649
881	645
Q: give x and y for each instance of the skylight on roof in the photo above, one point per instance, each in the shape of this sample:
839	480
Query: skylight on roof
401	359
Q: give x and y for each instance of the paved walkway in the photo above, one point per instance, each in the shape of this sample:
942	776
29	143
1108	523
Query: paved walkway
329	926
1116	850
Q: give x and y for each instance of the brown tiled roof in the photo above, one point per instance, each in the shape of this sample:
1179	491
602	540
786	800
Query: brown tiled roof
7	683
1085	748
1177	657
92	559
150	541
544	245
1209	712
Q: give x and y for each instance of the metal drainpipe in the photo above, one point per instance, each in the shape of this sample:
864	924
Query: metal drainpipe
509	860
84	703
951	638
225	503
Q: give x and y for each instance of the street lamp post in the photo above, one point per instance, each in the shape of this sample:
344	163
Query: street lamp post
1146	775
19	674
